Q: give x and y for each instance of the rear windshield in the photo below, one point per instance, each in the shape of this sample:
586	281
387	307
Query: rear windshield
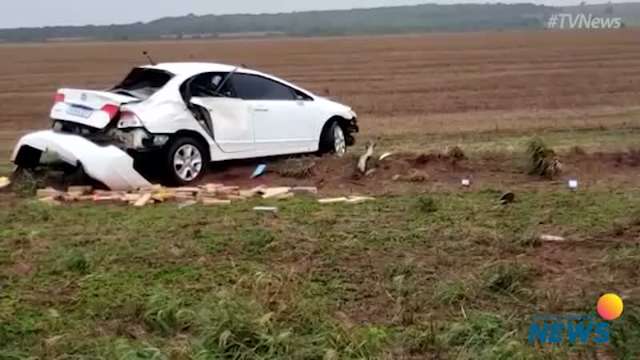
143	82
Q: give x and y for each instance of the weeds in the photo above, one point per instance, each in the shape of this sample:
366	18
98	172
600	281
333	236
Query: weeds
452	292
77	262
167	315
456	153
542	160
509	278
426	204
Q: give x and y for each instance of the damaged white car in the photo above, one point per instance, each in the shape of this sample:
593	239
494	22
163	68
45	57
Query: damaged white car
175	118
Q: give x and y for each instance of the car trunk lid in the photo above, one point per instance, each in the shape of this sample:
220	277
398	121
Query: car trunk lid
91	108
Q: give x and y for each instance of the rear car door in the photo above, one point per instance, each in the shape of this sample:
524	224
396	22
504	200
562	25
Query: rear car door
230	118
282	122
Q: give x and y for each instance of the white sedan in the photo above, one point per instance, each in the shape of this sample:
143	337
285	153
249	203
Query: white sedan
178	117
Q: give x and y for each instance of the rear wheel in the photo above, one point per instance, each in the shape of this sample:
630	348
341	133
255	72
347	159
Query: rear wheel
186	161
333	140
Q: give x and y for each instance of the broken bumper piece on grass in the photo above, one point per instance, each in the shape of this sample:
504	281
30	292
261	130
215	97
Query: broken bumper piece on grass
107	164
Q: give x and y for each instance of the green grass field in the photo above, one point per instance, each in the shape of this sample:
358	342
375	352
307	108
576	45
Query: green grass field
438	275
441	275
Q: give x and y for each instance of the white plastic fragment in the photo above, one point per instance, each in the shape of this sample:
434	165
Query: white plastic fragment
573	184
269	209
385	155
4	182
364	159
552	238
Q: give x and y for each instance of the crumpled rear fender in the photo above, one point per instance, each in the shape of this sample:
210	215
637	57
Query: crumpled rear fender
107	164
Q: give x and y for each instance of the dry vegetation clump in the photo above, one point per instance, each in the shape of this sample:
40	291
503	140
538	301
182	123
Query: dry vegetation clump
456	153
297	168
542	160
424	159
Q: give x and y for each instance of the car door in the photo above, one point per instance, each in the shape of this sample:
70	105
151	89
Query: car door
231	118
282	121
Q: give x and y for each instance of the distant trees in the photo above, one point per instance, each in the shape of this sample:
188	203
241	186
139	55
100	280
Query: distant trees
401	19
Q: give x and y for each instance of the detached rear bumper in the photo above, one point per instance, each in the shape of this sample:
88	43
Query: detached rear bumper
107	164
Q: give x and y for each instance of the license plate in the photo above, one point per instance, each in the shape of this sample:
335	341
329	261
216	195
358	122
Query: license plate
80	112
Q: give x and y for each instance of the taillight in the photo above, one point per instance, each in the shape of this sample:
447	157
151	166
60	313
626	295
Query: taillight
59	97
129	120
112	110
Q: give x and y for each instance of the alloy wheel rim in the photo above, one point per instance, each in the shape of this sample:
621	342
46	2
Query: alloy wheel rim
340	144
187	162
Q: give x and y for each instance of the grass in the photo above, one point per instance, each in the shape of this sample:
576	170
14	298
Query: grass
378	280
561	140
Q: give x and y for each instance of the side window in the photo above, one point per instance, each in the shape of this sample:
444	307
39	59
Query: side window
252	87
302	96
205	85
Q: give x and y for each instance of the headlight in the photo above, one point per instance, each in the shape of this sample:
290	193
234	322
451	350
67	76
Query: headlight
129	120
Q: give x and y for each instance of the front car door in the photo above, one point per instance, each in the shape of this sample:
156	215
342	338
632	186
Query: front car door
230	118
282	120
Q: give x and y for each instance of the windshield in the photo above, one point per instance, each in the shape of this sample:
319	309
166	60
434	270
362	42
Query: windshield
143	82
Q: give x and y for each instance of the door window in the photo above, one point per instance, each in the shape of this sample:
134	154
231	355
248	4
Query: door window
253	87
205	85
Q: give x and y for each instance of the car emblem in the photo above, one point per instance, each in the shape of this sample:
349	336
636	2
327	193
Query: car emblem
83	97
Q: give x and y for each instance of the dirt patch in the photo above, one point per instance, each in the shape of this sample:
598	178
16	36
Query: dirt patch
437	171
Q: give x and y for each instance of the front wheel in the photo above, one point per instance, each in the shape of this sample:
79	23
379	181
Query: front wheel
333	140
186	161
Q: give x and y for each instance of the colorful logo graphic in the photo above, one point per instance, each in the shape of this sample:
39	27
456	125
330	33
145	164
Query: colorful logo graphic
610	307
577	328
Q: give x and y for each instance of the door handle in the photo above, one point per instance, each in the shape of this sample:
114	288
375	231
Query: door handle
260	109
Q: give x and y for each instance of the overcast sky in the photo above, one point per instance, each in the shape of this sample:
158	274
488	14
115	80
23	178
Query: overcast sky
27	13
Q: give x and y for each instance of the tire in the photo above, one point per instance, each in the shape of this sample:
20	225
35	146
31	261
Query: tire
333	140
186	161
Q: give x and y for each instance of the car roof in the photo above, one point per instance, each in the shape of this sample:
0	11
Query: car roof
188	69
194	68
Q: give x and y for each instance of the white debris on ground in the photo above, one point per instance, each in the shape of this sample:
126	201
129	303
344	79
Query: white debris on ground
4	182
209	195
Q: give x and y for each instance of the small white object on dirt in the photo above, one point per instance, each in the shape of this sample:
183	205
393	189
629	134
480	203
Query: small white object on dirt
4	182
364	159
573	184
385	155
348	200
260	170
552	238
466	182
270	209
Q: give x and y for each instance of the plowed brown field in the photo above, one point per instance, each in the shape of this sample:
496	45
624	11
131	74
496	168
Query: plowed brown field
413	84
